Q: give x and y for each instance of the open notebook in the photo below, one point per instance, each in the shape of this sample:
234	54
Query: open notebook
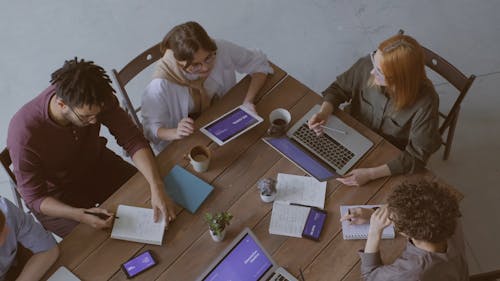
136	224
360	231
306	192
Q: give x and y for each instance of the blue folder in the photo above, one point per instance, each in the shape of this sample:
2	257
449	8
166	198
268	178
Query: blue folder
186	189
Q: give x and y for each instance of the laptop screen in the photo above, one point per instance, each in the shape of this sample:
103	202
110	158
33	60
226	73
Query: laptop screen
245	262
302	159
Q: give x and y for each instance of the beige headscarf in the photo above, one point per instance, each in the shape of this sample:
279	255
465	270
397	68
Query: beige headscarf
167	68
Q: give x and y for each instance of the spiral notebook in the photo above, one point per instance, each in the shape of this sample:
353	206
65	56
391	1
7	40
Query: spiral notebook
360	231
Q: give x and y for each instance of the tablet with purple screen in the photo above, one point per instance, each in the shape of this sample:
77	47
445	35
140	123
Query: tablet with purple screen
305	161
231	125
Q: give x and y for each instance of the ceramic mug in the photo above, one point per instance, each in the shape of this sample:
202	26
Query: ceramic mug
280	119
199	157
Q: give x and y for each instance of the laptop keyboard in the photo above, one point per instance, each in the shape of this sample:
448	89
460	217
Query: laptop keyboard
325	147
278	277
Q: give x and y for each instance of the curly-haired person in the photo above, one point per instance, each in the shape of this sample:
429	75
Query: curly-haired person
428	215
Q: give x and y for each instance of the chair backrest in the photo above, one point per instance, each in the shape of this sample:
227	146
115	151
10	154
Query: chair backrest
458	80
6	162
128	72
455	77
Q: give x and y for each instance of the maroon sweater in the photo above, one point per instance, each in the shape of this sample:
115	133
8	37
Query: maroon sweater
49	158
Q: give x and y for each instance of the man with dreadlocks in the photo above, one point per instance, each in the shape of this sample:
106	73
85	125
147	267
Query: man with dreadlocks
62	166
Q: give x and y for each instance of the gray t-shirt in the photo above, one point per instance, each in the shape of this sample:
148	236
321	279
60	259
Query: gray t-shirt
417	264
23	229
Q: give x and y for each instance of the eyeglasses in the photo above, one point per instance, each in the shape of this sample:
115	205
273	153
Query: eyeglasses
378	72
83	119
197	67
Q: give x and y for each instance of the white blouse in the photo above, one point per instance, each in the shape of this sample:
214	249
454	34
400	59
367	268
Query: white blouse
165	103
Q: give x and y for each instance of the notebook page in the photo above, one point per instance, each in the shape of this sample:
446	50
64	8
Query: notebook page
136	224
63	274
301	190
360	231
288	220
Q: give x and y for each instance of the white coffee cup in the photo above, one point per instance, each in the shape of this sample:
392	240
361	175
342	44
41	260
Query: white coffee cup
199	157
280	119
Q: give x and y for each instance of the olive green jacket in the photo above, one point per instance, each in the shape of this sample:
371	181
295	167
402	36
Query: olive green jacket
413	129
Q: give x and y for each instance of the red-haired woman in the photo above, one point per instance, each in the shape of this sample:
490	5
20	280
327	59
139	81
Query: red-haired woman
391	94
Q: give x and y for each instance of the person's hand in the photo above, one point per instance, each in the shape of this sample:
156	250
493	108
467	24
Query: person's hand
163	206
94	220
185	127
379	220
316	121
250	106
357	177
358	215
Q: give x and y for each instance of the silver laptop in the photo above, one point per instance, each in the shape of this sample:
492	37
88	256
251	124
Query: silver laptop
340	147
245	260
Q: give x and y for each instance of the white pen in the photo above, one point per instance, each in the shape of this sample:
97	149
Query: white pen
335	130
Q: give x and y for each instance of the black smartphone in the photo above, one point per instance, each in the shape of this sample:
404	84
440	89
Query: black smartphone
314	224
139	264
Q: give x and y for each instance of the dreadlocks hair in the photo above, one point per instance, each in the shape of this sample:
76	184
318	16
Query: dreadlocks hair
80	82
424	211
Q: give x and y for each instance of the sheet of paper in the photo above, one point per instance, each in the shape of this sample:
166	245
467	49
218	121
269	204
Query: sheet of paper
287	219
360	231
301	190
63	274
136	224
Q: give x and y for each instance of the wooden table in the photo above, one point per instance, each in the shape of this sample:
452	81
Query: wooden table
234	170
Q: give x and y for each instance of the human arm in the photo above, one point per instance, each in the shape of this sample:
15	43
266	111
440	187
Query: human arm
162	114
341	90
372	267
257	81
184	128
50	206
361	176
358	215
131	139
38	264
162	205
252	62
424	138
32	236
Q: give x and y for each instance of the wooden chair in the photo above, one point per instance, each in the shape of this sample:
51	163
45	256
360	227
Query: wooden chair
128	72
460	82
487	276
6	162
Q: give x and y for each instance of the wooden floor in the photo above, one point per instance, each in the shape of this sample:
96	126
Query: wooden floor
234	170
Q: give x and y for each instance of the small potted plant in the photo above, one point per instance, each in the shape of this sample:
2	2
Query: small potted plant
217	223
267	188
